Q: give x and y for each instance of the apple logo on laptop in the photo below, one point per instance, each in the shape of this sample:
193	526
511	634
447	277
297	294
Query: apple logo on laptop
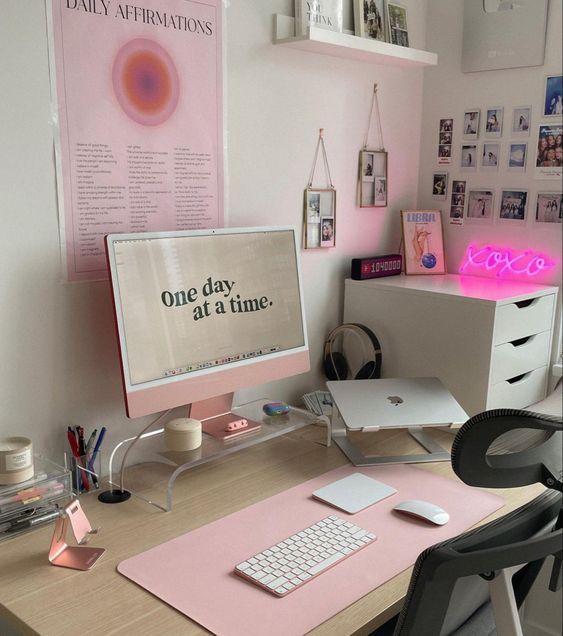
395	400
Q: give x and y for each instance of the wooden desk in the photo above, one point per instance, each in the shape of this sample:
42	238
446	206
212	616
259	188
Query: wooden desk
46	600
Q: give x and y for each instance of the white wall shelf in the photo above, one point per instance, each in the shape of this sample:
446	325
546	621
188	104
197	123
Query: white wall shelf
349	46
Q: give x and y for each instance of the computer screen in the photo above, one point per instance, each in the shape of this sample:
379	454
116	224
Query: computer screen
206	312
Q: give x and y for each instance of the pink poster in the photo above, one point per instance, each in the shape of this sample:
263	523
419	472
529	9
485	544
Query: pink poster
138	90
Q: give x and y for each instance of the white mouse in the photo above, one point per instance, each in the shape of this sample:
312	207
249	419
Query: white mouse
423	510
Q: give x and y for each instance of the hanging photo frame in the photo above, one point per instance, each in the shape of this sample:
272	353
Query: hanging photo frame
372	166
373	178
319	206
423	242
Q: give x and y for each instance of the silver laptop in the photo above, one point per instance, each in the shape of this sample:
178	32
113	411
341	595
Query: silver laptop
369	405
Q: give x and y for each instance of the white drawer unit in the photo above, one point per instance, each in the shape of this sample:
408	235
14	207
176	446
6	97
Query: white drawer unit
489	341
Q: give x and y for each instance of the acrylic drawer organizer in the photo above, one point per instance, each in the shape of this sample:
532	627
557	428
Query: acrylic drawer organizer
34	503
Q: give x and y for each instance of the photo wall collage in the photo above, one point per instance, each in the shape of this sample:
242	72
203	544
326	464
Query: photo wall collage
496	138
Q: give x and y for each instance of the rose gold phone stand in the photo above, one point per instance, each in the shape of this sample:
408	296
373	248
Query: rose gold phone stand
76	557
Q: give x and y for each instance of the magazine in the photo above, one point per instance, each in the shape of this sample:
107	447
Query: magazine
324	14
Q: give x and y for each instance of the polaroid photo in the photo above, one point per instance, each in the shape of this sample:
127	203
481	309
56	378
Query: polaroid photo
490	156
549	206
440	185
480	205
553	96
549	153
521	120
517	156
380	188
469	157
493	122
456	215
513	205
327	231
471	123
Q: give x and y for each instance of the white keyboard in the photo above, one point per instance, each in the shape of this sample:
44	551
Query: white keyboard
290	563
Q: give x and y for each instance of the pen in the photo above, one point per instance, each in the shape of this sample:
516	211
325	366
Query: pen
90	442
97	446
80	440
20	524
76	452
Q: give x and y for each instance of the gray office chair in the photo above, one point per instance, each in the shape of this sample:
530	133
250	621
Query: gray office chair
472	584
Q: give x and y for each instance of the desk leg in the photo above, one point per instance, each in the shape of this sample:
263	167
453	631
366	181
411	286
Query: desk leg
340	436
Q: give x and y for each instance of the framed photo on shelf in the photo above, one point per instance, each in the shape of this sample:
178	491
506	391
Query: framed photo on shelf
471	120
397	24
513	205
553	96
549	207
373	178
521	120
493	123
423	241
369	19
319	217
517	156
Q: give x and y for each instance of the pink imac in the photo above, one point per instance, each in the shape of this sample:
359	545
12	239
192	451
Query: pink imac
203	313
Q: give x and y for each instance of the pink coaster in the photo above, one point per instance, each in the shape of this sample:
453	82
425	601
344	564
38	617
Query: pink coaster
194	572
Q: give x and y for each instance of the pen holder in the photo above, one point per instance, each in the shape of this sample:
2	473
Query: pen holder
85	471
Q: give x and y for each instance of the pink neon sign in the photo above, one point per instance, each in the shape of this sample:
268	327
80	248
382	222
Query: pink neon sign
505	261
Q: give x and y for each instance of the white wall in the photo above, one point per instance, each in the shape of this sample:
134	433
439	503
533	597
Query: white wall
448	93
58	349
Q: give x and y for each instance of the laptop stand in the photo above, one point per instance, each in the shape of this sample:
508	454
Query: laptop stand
339	433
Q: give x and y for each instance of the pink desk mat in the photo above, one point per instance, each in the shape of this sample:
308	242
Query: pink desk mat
194	572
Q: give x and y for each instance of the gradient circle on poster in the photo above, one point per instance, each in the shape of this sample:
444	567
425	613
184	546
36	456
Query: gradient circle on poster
145	82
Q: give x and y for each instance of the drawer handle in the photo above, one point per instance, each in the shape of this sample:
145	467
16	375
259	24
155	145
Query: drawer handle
518	378
521	304
521	341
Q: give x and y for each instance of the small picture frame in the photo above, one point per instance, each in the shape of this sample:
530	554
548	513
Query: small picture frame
423	242
553	96
471	119
549	207
490	156
513	205
369	19
397	24
440	185
493	122
373	178
480	204
517	156
319	206
521	121
469	157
